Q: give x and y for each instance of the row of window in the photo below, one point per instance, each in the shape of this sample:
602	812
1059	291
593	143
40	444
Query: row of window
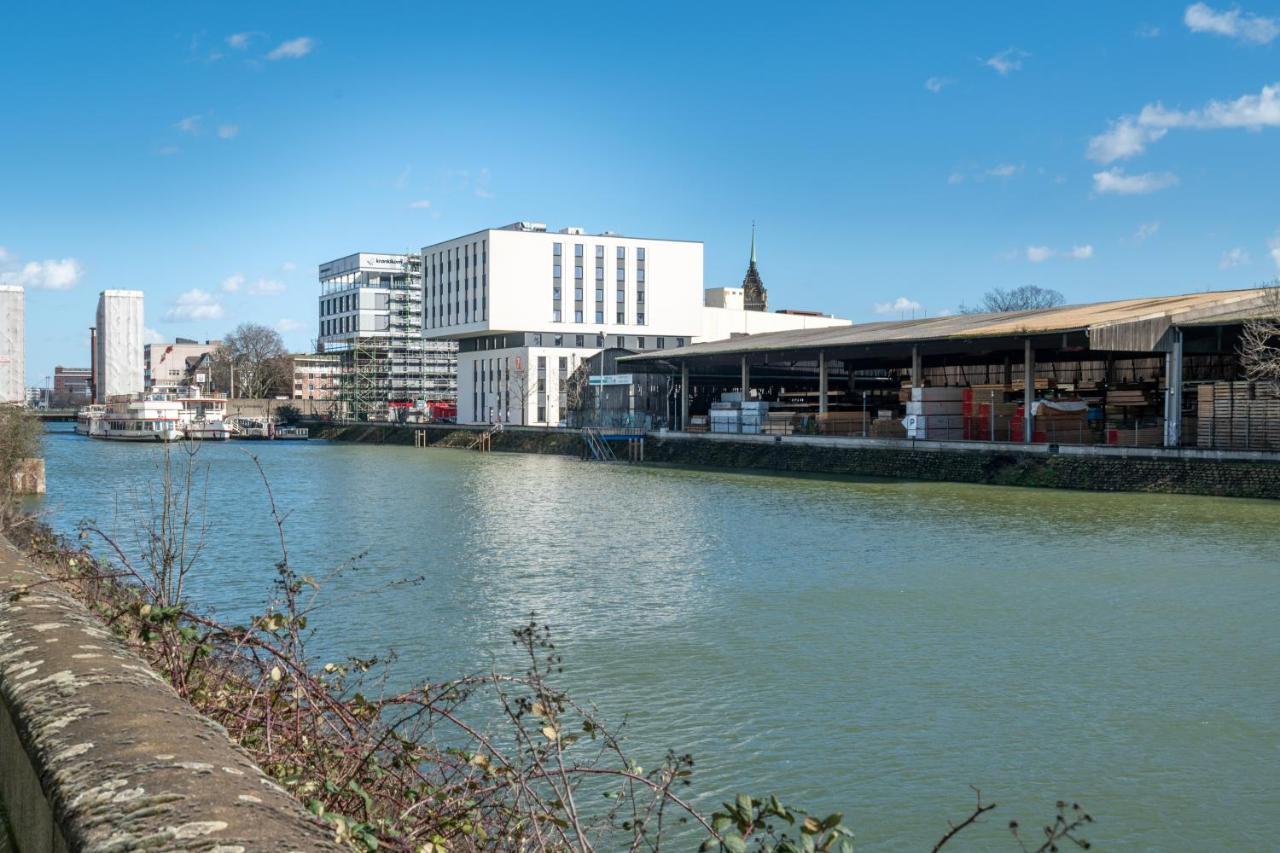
457	284
620	274
620	341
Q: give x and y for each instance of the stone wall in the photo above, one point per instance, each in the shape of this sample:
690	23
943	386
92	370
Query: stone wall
1098	469
98	753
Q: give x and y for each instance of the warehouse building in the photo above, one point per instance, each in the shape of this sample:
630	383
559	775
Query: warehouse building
1161	371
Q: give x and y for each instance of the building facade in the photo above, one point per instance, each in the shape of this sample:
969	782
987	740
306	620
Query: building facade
72	386
174	363
370	317
528	306
118	368
316	376
12	344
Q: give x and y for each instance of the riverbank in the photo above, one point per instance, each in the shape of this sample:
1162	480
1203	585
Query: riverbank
1080	468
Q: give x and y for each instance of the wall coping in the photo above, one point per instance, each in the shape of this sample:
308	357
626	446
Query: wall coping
121	761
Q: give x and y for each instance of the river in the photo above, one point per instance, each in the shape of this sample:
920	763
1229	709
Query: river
865	646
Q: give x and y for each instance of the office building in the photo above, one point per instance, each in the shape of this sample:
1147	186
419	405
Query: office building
118	368
370	314
529	306
12	344
72	386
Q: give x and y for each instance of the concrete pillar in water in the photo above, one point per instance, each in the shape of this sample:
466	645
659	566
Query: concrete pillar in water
28	477
1173	393
823	381
684	396
1028	390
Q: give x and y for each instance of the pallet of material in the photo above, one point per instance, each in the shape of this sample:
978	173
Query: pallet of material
1039	384
888	428
840	423
1122	397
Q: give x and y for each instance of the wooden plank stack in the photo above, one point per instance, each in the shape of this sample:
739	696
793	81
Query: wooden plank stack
1238	416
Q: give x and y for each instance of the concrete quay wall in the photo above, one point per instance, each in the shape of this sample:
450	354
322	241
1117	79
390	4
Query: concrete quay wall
98	753
1110	469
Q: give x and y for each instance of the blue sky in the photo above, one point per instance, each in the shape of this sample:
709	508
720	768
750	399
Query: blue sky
909	155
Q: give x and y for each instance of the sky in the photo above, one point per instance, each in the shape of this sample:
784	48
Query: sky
898	158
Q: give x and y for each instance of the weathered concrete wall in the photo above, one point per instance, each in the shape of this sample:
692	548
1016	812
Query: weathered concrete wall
28	478
1195	472
98	753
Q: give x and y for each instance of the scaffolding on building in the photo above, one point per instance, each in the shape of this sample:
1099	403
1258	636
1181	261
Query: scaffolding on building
380	374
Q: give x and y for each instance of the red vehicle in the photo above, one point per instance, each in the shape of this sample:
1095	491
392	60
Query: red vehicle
441	411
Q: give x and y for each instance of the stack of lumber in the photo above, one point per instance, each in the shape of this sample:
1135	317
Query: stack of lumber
779	423
1127	397
1238	416
1041	384
888	428
697	423
840	423
936	414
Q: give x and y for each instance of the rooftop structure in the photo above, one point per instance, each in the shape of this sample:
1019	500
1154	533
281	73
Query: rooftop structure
755	296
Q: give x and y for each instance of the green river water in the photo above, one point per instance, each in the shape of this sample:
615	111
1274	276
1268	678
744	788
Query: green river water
868	647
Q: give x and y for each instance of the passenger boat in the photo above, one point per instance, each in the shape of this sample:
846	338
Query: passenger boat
252	427
86	416
150	419
203	416
289	433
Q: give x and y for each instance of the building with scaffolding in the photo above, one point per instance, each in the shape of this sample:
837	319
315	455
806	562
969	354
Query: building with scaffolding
12	343
370	311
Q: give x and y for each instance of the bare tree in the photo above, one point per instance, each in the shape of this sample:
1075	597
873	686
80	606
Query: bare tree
257	355
522	383
1259	347
1025	298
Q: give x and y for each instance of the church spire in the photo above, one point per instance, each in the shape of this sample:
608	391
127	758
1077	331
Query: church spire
754	295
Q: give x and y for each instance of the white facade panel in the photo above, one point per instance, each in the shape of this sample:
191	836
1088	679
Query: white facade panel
119	365
12	344
721	323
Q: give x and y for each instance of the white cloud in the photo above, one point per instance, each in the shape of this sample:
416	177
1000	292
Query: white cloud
1233	258
1146	231
1117	182
484	192
1082	253
228	131
1006	60
287	325
1124	138
266	287
4	254
288	266
1040	254
901	305
151	336
955	178
402	179
1037	254
232	283
292	49
1147	31
1130	135
44	275
1273	247
1246	26
937	84
195	304
420	204
240	41
190	124
1004	170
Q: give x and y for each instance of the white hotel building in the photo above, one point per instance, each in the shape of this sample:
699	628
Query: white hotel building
527	306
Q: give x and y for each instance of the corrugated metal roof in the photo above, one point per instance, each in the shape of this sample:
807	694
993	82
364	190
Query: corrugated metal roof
1143	318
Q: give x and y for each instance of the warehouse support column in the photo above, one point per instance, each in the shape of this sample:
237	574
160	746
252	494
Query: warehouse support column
822	382
917	367
1173	393
1028	390
746	379
684	396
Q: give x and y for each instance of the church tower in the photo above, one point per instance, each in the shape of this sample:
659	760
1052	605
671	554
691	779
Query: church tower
754	295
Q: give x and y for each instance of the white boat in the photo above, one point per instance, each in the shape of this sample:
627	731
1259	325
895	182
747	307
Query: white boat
150	419
203	416
252	427
86	416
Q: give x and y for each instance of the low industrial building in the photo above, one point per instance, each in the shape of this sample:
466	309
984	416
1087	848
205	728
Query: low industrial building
1158	371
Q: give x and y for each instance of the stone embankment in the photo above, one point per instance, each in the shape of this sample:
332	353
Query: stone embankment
98	753
1192	472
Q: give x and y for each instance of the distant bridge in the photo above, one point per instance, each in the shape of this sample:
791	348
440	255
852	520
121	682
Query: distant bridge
56	414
